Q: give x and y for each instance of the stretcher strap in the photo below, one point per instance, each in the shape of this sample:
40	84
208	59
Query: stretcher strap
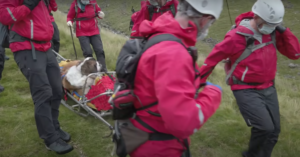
74	92
65	95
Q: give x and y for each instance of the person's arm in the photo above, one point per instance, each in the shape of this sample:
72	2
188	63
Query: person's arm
220	52
174	79
100	13
141	15
288	44
71	13
53	5
11	12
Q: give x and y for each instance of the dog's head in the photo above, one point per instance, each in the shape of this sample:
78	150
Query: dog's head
88	66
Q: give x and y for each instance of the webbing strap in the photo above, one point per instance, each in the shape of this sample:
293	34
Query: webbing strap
159	38
76	9
247	52
148	106
157	136
145	125
83	18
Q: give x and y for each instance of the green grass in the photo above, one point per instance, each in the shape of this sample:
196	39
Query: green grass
224	135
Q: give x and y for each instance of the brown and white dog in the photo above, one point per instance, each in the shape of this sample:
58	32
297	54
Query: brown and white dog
76	72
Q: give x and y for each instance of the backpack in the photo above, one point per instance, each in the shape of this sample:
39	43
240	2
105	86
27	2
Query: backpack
125	133
151	10
250	47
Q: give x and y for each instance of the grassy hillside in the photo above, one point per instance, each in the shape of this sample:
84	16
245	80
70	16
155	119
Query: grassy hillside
118	13
224	135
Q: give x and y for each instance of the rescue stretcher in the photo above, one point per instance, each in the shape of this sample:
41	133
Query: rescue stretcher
95	101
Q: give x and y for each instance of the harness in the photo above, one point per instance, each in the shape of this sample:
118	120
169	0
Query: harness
83	18
251	47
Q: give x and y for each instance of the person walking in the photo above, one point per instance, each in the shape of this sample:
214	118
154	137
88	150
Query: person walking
180	110
30	37
85	13
251	69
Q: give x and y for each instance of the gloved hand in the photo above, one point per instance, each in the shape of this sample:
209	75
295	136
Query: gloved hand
31	4
69	23
280	29
101	14
210	84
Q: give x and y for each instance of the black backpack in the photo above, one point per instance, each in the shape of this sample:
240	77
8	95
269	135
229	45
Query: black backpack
131	53
125	133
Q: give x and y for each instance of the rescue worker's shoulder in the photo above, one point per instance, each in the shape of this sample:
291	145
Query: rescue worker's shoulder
233	37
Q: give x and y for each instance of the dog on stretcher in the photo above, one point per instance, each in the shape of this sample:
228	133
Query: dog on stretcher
76	72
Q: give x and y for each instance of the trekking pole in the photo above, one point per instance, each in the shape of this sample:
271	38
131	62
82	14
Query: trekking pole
73	42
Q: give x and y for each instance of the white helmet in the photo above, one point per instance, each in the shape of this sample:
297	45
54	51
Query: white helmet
272	11
210	7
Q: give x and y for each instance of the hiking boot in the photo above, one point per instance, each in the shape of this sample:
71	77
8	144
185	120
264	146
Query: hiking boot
60	147
64	135
1	88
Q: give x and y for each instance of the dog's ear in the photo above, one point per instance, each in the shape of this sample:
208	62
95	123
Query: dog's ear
85	68
89	66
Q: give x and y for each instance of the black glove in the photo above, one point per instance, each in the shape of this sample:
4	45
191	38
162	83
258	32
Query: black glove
280	28
31	4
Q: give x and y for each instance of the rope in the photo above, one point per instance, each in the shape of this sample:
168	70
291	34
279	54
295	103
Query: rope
229	12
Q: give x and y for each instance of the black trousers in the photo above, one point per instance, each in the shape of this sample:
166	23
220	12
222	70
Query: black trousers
2	60
260	110
96	42
55	39
45	84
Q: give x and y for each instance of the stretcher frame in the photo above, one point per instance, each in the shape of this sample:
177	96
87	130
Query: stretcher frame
81	108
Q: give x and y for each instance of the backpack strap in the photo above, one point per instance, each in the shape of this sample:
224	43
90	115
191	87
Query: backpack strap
273	36
159	38
76	9
250	47
157	136
172	8
94	5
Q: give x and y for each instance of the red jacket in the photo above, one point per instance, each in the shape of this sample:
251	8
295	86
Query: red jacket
261	65
85	27
165	74
52	7
143	14
29	24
